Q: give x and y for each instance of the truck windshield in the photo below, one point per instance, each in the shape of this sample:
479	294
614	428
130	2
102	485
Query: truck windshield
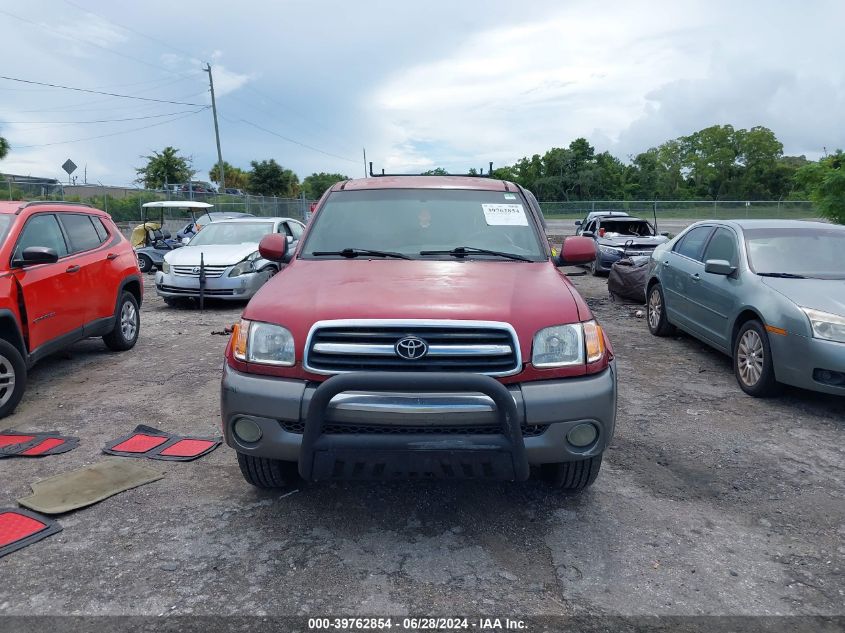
804	252
413	222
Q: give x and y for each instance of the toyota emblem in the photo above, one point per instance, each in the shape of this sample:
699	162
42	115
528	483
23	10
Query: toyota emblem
195	270
411	348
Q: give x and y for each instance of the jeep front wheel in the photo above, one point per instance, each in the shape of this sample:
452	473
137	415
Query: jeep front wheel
12	377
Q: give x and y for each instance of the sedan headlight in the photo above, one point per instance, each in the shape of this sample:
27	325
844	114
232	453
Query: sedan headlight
165	267
565	345
244	267
609	250
265	343
830	327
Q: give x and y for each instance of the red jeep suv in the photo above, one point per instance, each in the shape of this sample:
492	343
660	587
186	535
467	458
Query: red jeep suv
421	329
66	273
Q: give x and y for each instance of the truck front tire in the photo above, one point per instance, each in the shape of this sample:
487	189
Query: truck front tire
572	476
267	473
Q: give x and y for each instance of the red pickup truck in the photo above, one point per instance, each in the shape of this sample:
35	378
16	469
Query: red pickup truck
421	329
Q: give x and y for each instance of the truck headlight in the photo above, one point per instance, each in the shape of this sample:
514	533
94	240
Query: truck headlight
830	327
558	346
563	345
265	343
165	267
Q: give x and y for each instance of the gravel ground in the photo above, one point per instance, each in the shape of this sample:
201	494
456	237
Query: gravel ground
709	502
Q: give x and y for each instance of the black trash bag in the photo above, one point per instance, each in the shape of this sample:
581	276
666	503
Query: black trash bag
628	278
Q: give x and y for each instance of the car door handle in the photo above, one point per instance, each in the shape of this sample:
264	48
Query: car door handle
111	256
72	269
666	263
696	277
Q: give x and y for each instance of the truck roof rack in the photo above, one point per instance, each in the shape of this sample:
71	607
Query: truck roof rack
56	202
480	174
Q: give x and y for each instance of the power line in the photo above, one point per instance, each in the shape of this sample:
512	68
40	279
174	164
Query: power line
295	142
92	138
97	92
191	55
89	43
135	118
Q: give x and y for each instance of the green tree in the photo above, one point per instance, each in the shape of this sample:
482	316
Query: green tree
165	167
437	171
235	176
268	178
824	182
315	185
4	148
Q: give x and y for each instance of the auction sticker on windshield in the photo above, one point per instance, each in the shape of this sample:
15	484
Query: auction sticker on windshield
504	215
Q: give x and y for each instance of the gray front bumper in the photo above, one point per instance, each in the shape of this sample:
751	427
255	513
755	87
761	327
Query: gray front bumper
238	288
560	404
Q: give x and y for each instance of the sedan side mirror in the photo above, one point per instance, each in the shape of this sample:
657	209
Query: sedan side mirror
37	255
577	222
577	250
588	234
273	247
719	267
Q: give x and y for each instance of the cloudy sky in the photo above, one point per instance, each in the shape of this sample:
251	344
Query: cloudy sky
424	84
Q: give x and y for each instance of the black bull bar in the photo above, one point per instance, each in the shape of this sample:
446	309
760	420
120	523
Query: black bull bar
350	456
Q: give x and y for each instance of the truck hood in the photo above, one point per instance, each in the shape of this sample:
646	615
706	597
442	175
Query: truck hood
213	254
529	296
827	295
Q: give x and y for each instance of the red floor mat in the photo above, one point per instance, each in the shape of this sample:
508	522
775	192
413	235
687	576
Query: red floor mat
19	528
185	449
35	444
145	441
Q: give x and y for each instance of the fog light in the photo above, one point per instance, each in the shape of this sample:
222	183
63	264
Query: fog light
247	430
582	435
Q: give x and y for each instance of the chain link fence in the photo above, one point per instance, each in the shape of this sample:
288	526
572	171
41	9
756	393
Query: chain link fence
686	209
124	204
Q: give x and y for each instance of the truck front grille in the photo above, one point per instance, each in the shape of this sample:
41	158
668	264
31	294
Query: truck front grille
452	346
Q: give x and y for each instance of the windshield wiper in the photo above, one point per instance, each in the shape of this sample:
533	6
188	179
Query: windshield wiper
463	251
357	252
782	275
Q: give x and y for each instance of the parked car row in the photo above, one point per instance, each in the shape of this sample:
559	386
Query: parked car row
419	327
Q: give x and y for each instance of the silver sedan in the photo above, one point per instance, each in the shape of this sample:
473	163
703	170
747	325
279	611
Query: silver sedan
770	293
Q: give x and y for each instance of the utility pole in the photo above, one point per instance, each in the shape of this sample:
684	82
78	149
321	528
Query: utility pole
365	162
216	129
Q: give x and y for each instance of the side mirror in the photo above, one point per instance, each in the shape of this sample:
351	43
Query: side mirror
577	222
37	255
588	234
719	267
577	250
273	247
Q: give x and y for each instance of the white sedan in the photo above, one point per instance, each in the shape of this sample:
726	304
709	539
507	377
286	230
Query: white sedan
226	254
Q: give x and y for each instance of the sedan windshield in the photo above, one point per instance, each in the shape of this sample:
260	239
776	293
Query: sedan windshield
426	224
805	252
230	233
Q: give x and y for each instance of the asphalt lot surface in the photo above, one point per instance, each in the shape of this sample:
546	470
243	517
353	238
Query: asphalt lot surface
709	502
